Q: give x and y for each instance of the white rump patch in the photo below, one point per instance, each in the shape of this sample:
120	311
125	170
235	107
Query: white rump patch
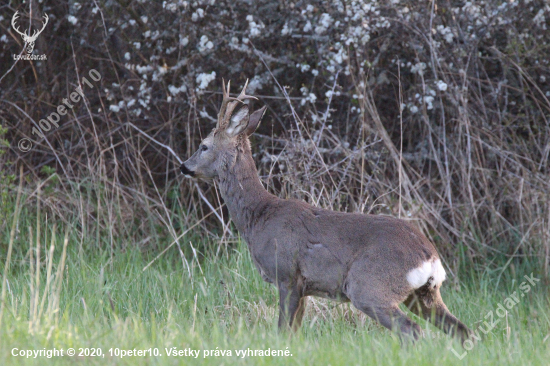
431	271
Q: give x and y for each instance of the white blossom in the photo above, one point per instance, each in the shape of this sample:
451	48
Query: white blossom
310	98
204	79
286	30
303	67
324	23
441	85
540	19
116	108
419	68
205	44
170	6
329	94
255	28
446	32
175	91
429	100
199	14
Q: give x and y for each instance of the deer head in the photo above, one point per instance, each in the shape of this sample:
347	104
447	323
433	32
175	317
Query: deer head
219	149
28	39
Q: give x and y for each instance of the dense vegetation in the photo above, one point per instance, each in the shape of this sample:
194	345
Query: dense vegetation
436	111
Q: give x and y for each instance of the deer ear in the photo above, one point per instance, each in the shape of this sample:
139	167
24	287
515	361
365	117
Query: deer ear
238	122
254	121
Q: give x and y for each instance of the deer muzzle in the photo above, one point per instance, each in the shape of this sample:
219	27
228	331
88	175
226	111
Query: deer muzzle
188	173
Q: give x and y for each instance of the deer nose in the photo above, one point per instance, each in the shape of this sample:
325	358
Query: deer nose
188	173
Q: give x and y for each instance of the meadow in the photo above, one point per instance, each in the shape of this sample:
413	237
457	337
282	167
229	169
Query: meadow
61	291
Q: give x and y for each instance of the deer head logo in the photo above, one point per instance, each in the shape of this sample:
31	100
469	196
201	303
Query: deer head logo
28	39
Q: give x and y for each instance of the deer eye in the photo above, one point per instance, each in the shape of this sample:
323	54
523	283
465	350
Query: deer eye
204	148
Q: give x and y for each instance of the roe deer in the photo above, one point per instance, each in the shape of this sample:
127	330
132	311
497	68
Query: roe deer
376	262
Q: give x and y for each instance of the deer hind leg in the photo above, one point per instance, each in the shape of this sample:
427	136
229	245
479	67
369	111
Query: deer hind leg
384	310
299	314
375	298
394	319
427	303
291	307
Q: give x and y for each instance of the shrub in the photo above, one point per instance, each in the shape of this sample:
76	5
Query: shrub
437	111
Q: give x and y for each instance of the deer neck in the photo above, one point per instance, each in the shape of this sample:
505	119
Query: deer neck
243	193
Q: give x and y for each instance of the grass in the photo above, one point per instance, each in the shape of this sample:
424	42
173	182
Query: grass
100	299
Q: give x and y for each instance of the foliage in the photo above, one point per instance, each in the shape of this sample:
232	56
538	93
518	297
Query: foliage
432	111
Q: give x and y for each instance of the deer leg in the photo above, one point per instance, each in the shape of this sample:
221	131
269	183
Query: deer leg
427	303
291	307
298	316
394	319
377	301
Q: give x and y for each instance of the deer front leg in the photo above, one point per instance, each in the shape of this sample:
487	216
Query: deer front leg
291	307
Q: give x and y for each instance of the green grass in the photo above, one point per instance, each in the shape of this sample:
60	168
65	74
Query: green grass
107	301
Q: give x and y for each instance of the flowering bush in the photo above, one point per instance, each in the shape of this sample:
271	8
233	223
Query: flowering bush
436	110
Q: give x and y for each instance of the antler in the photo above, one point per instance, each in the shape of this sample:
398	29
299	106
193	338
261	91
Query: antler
16	27
27	38
229	103
37	32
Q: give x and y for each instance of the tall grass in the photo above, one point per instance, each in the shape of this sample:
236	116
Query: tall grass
61	296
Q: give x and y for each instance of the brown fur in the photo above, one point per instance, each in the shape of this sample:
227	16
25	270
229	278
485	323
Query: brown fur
309	251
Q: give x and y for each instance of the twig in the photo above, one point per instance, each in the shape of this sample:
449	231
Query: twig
175	241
